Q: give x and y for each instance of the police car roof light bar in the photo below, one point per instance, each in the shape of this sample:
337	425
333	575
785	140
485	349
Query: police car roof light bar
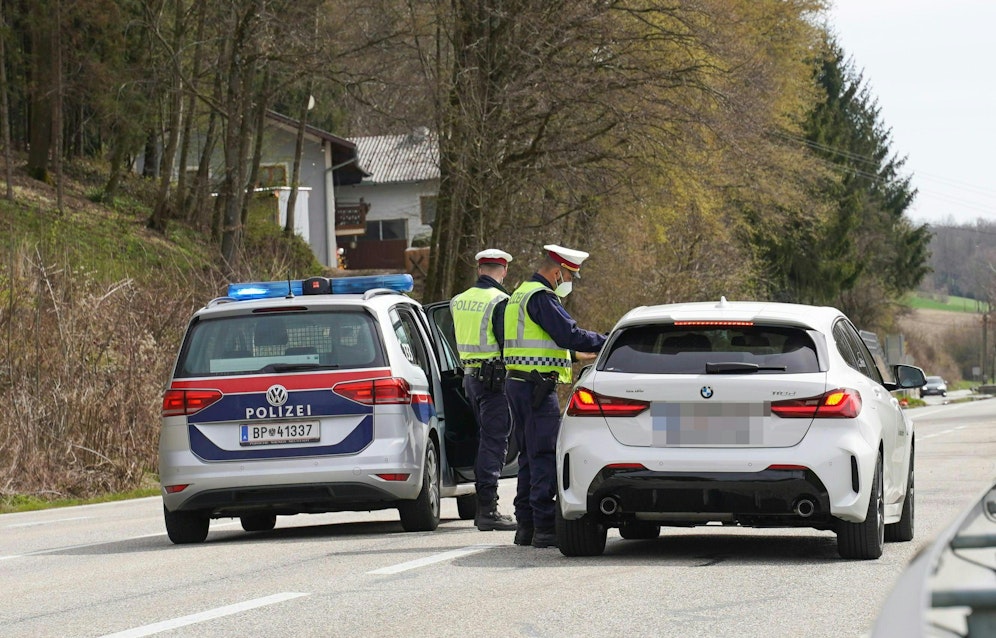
341	285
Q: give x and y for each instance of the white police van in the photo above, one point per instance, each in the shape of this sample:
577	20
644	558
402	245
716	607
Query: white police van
312	396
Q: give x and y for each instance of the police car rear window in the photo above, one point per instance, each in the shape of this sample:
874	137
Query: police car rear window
670	349
280	342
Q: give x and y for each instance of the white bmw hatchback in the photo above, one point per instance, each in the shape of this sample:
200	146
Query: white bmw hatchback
740	413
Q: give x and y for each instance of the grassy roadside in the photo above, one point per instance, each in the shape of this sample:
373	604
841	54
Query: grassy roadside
945	302
27	503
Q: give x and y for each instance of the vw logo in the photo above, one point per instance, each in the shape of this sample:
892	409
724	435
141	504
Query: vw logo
276	395
706	392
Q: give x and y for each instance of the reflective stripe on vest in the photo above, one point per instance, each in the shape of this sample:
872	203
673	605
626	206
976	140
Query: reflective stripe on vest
532	347
472	312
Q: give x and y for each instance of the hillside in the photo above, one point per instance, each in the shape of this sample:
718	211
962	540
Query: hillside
943	342
92	308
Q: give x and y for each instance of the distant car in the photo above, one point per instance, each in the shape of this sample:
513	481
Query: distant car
742	413
936	386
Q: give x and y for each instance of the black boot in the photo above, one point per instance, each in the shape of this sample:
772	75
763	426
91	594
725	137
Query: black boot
488	519
544	537
524	535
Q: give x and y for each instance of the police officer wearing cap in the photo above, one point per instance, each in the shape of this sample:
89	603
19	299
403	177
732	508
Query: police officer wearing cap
541	340
478	321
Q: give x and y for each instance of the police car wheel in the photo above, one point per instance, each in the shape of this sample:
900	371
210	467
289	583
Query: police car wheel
186	527
467	506
258	522
581	537
422	514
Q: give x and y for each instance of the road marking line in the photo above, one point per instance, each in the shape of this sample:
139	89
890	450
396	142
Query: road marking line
429	560
930	436
211	614
64	549
56	520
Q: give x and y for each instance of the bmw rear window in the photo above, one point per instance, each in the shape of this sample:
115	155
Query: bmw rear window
670	349
280	342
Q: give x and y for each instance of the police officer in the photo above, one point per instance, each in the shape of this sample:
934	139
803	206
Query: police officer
540	342
478	321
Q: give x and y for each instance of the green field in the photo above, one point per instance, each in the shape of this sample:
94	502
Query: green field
938	302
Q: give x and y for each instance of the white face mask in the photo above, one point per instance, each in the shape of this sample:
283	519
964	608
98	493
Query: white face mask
564	287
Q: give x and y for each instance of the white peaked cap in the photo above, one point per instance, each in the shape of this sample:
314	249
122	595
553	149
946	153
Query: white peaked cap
567	257
493	256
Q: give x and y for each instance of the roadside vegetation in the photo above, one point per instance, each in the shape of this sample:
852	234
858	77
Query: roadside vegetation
92	308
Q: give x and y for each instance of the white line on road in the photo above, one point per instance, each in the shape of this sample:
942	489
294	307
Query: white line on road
55	520
52	550
71	547
155	628
429	560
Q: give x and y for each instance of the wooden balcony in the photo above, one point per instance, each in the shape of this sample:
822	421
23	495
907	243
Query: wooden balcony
351	217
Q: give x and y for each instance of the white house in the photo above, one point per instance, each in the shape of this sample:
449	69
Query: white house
398	193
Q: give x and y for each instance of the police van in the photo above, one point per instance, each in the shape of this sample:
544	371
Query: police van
311	396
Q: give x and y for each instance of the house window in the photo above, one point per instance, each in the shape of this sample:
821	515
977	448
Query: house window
272	175
427	203
383	229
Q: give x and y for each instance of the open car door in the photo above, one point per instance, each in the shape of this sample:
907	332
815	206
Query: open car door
461	428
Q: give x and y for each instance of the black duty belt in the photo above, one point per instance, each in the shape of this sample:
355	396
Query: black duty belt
527	376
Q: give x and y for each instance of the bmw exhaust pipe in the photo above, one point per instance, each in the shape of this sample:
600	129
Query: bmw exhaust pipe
804	507
608	505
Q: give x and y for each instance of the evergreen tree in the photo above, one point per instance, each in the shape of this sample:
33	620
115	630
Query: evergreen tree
863	253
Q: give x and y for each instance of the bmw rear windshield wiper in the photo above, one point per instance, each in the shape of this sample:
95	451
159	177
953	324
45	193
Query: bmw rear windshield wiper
734	367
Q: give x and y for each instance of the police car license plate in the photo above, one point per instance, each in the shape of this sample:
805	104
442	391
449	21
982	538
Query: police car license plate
272	433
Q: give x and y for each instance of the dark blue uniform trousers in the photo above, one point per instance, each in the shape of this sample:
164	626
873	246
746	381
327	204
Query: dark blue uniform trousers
536	434
494	426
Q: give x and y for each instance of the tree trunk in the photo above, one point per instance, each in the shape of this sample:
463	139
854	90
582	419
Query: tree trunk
5	108
40	83
161	213
296	172
183	189
57	115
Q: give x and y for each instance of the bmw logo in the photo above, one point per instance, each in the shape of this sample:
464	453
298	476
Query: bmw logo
706	392
276	395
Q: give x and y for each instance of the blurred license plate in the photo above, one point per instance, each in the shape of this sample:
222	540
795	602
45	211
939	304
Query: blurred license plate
677	424
271	433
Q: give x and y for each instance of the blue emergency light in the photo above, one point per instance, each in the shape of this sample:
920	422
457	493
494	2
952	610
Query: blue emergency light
340	285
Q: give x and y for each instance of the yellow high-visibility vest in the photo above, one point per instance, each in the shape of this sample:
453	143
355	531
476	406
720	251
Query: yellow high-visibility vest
472	312
527	345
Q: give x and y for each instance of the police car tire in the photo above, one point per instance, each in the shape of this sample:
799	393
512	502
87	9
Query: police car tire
639	530
258	522
467	506
186	527
581	537
865	540
422	514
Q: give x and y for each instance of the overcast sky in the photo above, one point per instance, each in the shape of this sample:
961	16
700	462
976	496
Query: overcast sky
932	66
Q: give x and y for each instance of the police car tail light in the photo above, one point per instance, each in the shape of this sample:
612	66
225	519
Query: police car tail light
385	391
584	402
187	402
842	403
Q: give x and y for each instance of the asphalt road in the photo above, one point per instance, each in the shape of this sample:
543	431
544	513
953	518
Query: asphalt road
110	570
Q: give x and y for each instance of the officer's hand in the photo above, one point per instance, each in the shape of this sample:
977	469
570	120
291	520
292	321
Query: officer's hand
585	356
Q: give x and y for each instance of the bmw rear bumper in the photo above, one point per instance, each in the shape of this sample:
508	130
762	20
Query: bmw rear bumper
831	467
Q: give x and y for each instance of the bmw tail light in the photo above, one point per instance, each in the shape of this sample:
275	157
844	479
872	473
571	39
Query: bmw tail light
385	391
584	402
187	402
842	403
